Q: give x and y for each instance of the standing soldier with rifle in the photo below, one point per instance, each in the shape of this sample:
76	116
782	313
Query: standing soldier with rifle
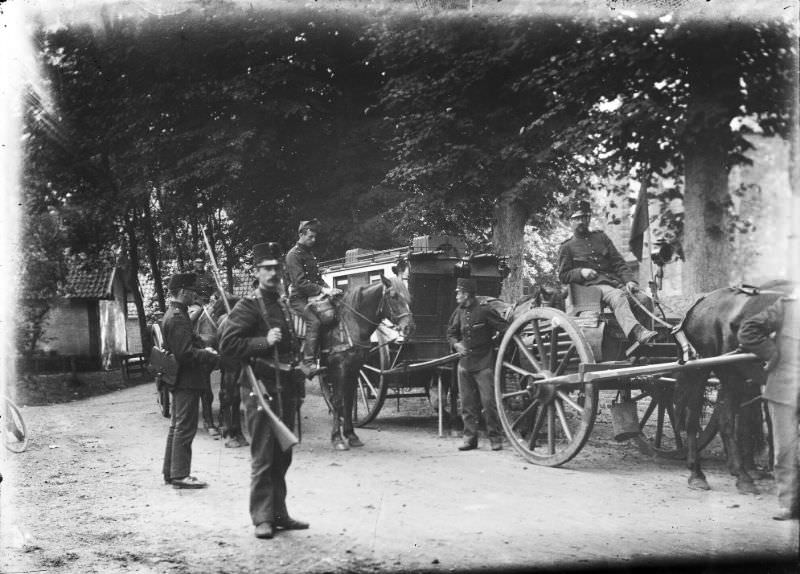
258	331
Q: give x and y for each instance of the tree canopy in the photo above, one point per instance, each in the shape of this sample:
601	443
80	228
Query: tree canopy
384	124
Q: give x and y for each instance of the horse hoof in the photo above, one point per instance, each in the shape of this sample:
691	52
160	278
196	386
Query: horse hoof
340	445
698	484
354	441
746	488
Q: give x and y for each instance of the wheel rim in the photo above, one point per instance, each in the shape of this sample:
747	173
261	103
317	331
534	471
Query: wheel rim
658	421
546	423
371	386
15	434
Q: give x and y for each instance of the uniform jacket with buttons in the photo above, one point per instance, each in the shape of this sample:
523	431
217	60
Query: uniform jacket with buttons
783	319
194	362
474	324
303	274
593	251
243	335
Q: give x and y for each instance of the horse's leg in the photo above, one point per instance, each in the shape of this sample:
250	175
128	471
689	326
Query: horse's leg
693	384
349	393
728	403
335	374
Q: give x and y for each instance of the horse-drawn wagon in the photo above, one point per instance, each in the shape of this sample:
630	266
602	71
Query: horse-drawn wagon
412	367
552	368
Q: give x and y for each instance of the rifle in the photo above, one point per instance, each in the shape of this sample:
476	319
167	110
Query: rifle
286	438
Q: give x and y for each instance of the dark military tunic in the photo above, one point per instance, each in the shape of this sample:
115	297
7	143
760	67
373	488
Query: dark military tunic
194	362
593	251
244	337
303	274
244	333
474	326
783	319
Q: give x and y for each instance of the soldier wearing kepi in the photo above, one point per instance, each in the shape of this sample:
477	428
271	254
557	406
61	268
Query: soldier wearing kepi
306	285
590	258
255	327
194	360
470	331
204	281
782	392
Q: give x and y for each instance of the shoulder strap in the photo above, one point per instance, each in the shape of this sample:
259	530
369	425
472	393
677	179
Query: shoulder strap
262	308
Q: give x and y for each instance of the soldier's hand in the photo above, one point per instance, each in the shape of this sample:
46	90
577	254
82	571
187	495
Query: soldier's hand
587	273
632	286
211	350
274	336
461	349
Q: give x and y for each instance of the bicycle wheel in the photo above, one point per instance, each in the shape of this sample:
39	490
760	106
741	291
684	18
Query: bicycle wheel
15	434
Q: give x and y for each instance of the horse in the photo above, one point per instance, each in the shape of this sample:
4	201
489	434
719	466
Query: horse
359	312
208	325
711	327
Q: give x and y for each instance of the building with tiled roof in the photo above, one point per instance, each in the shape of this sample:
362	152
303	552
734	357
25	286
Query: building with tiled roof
93	322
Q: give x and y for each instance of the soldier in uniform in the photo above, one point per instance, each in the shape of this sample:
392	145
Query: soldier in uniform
254	328
205	286
470	331
194	360
204	280
782	391
590	258
305	285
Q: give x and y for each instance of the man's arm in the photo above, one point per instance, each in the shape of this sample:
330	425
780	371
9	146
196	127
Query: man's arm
617	262
495	321
297	276
179	339
236	340
754	332
567	272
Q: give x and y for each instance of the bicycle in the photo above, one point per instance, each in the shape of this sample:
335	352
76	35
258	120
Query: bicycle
12	426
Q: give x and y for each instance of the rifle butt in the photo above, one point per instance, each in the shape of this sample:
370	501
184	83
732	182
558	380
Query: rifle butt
285	437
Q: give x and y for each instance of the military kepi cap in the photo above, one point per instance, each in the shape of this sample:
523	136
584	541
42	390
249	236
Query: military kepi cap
182	281
267	254
466	285
311	224
580	208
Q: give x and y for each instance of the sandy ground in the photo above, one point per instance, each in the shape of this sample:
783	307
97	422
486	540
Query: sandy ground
88	497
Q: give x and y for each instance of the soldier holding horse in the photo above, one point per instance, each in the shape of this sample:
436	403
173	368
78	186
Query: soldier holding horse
711	327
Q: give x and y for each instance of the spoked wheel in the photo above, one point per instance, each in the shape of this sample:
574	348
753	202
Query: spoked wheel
658	420
15	434
372	384
546	422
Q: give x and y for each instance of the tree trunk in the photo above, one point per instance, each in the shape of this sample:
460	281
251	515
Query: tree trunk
152	255
230	258
712	78
133	269
511	215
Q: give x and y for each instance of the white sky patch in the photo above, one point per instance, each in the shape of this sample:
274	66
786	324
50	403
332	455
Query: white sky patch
749	122
610	105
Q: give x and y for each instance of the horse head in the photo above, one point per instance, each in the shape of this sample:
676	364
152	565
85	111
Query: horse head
396	305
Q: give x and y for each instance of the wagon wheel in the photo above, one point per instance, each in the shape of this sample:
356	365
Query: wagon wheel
372	384
547	423
658	419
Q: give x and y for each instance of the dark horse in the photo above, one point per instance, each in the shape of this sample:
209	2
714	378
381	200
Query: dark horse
711	326
208	325
360	311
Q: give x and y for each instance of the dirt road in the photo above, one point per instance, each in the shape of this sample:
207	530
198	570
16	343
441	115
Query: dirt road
88	497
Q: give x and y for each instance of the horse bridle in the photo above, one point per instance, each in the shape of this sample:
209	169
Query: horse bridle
381	308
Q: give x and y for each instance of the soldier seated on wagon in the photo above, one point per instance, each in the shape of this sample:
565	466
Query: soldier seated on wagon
590	258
